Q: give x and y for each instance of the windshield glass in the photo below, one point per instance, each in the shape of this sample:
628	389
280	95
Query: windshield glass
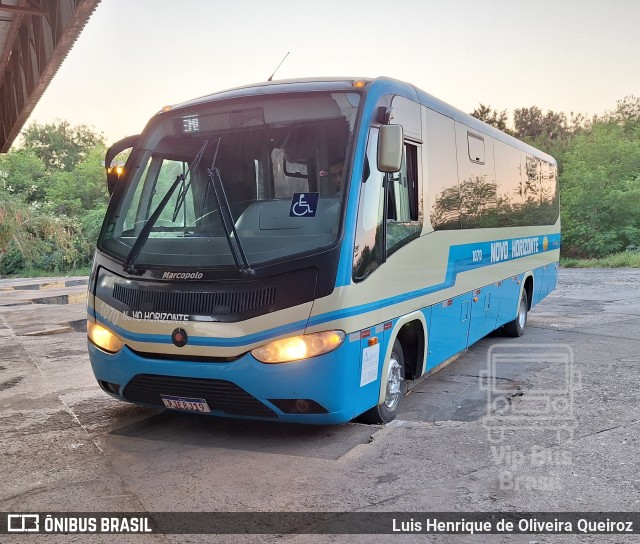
270	168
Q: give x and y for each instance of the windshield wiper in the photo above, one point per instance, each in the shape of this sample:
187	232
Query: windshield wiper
226	217
182	195
130	262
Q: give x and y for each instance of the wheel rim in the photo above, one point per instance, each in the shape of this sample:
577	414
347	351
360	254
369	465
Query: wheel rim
522	313
394	381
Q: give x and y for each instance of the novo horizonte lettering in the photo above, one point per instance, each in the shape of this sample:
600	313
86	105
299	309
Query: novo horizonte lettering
519	248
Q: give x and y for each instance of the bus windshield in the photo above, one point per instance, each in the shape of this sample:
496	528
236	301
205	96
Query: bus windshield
257	177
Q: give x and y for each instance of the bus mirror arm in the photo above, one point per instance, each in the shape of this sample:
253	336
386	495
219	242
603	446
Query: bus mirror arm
114	172
390	147
385	115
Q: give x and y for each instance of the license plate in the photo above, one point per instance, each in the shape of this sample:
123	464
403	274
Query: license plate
185	403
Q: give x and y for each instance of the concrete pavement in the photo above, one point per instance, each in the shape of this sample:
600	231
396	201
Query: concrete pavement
68	446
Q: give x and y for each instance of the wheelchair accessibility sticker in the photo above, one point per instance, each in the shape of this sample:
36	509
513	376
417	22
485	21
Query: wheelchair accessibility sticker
304	204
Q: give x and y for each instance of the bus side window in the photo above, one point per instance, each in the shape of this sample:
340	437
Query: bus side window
403	217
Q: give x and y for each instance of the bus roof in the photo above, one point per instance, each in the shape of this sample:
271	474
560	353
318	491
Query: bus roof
345	84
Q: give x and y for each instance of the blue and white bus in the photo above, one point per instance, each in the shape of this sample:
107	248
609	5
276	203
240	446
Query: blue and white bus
299	250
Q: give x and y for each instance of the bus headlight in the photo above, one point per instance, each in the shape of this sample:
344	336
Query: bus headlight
103	338
300	347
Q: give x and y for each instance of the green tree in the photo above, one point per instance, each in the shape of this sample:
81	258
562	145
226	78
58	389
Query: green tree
534	126
60	145
23	175
83	189
600	190
492	117
528	122
627	111
52	199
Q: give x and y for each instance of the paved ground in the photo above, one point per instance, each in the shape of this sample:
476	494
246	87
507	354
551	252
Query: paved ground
554	426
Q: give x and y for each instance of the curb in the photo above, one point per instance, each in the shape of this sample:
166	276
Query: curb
45	285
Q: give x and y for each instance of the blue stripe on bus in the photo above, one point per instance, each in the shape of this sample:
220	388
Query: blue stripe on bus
460	260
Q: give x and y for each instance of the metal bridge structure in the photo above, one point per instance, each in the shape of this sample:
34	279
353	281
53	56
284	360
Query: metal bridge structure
35	37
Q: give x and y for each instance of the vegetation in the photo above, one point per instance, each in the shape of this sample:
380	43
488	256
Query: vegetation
52	199
53	191
625	259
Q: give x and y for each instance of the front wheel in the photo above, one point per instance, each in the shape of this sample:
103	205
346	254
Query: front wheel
515	328
387	411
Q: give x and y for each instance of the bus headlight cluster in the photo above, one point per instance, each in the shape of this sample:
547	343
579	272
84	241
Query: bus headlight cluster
103	338
300	347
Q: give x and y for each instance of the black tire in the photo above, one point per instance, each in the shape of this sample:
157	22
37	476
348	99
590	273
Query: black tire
396	389
515	328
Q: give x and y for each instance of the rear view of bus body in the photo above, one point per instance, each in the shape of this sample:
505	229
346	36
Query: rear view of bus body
231	278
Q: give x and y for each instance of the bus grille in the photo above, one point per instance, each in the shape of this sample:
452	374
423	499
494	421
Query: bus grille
220	394
194	302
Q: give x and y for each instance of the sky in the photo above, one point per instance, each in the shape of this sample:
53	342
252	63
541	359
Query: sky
136	56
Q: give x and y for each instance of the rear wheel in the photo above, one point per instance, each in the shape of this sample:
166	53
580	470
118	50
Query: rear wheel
516	327
387	411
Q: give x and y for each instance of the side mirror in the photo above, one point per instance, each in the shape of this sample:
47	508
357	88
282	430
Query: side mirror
390	148
115	171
